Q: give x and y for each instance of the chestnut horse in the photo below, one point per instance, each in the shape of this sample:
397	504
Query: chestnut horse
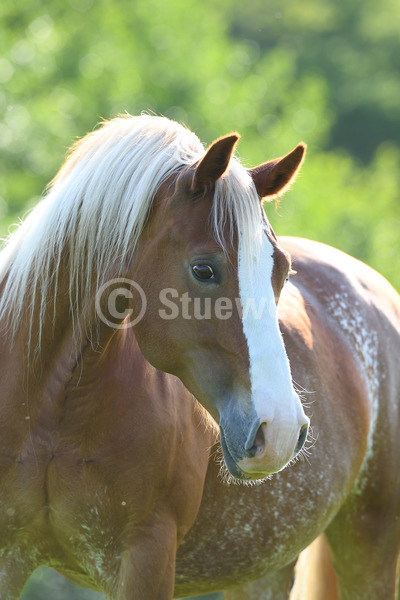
141	334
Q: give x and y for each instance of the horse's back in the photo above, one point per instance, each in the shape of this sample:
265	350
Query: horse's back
329	274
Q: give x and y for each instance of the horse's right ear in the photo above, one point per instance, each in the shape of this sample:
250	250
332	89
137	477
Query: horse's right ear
215	162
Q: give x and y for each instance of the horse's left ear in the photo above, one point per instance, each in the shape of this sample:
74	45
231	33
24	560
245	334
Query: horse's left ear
275	176
215	162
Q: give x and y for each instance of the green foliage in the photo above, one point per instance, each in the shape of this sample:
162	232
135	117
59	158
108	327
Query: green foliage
353	45
277	72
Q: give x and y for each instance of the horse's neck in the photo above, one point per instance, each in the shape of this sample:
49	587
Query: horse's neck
37	349
36	378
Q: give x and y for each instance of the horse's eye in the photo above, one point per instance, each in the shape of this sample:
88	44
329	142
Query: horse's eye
203	272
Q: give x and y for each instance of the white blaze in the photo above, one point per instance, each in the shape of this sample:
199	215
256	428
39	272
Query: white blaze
273	396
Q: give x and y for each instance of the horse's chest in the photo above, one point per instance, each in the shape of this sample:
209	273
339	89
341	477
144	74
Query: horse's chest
243	546
255	531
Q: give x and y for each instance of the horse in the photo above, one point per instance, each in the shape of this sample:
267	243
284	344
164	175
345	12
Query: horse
159	345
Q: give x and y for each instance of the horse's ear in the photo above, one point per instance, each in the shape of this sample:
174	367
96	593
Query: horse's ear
275	176
215	162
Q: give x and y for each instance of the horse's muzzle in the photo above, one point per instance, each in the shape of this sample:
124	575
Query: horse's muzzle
264	452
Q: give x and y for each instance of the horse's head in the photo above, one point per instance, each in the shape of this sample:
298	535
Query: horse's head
212	277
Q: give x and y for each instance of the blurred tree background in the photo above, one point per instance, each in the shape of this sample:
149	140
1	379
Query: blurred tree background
277	72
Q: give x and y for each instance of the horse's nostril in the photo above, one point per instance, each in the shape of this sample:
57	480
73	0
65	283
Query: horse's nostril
302	438
258	447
